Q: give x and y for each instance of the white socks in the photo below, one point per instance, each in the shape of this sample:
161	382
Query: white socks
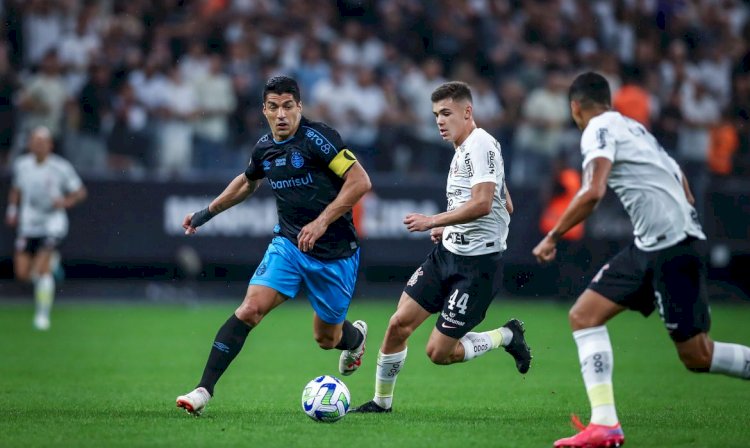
385	377
595	355
44	294
731	359
477	344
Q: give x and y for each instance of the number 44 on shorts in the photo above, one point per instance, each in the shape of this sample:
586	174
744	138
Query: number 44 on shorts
460	304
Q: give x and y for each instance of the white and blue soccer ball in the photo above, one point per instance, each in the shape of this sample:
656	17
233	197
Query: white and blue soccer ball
326	399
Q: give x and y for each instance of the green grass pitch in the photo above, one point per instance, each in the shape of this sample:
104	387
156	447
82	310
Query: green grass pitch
108	375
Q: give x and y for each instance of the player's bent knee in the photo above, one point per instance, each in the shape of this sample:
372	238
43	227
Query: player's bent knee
325	341
398	331
696	362
579	320
438	356
249	313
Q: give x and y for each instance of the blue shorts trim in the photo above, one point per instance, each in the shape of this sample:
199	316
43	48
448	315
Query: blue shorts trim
329	284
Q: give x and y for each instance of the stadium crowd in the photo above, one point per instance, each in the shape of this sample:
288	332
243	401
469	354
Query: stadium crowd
172	87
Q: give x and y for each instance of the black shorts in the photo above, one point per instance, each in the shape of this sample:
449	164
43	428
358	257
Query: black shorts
33	245
671	280
460	287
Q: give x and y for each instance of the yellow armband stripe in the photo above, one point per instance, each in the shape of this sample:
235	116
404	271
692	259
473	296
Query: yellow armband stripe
342	162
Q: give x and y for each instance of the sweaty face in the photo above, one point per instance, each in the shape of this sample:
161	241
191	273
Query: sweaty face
451	117
283	114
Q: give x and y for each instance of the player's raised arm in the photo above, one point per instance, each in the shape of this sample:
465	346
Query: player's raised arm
594	186
356	184
239	189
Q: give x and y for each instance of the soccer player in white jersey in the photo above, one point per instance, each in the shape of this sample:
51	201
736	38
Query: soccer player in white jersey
44	186
662	269
463	272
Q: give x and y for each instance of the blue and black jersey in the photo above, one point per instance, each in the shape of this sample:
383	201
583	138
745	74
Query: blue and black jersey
305	172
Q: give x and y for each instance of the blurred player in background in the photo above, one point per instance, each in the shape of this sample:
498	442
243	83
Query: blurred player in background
462	274
44	186
662	269
316	181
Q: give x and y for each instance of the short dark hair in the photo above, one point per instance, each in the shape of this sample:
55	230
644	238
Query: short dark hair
280	85
455	90
590	89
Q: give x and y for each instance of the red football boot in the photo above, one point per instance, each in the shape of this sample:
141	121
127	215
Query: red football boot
593	436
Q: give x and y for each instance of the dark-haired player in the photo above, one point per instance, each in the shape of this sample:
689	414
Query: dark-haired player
662	269
316	180
461	275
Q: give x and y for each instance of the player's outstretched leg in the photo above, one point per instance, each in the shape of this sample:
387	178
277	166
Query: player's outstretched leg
517	346
195	401
350	360
593	436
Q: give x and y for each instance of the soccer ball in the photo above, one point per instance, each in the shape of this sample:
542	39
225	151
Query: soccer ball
326	399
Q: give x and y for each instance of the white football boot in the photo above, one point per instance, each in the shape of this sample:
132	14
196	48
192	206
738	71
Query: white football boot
195	401
350	360
41	322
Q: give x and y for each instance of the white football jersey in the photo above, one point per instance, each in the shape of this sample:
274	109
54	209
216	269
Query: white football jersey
477	160
645	178
40	184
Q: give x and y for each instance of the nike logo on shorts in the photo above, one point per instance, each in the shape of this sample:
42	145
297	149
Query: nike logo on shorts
448	326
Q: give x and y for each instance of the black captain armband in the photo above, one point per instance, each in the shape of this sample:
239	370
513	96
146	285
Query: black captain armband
201	217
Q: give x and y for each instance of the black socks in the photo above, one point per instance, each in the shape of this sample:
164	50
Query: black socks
351	337
229	341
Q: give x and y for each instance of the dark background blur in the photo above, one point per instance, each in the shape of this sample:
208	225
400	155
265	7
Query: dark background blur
157	105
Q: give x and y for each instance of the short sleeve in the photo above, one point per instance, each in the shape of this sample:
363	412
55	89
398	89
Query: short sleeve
484	159
597	141
71	181
327	145
254	170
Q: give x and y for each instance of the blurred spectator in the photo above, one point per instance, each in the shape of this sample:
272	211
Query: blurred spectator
43	27
178	107
76	50
505	49
700	112
368	106
632	100
196	64
312	69
722	146
130	143
89	151
43	99
215	100
358	46
539	138
8	86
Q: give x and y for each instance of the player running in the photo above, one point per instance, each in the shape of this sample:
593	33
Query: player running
44	186
662	269
316	180
463	272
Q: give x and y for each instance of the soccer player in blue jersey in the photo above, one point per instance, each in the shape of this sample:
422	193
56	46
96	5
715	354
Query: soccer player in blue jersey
316	181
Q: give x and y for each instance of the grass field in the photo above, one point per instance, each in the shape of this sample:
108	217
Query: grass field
107	375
